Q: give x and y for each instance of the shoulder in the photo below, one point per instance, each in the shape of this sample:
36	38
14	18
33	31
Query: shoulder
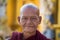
15	36
42	37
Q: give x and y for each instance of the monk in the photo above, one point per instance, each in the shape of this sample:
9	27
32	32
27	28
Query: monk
29	20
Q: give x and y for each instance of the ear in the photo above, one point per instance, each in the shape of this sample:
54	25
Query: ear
18	19
40	18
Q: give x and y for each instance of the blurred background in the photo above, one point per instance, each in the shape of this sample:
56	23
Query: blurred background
49	10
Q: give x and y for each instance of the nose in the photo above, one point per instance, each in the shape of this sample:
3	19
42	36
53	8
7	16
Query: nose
29	21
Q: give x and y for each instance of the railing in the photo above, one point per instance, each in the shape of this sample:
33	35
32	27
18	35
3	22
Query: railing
57	31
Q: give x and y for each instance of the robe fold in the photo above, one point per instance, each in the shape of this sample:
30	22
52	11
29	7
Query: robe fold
37	36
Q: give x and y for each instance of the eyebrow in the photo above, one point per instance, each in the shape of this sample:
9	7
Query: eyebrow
27	16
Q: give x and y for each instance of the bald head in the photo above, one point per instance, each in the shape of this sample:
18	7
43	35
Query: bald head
29	18
29	7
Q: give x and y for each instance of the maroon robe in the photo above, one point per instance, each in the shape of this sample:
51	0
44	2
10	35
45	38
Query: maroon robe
19	36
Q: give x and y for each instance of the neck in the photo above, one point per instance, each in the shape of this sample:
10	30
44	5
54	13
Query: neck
27	35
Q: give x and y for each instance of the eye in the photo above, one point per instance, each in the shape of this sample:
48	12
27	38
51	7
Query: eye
24	18
33	18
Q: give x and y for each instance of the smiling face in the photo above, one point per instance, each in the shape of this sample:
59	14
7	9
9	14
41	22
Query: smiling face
30	20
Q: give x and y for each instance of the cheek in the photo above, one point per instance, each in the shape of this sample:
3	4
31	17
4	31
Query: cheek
36	23
22	23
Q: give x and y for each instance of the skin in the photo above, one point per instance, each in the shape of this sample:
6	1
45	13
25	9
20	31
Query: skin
29	22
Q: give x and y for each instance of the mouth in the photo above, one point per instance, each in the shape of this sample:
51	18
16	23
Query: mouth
29	28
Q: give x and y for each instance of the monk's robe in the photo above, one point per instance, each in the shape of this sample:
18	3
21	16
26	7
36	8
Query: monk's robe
19	36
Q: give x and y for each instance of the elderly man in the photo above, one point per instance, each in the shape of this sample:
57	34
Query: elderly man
29	20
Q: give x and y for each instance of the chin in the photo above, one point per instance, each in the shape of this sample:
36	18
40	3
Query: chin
30	31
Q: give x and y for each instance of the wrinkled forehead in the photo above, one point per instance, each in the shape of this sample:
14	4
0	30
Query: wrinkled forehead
30	11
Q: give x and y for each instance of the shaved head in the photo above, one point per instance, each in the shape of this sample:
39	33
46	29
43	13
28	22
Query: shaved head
29	6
